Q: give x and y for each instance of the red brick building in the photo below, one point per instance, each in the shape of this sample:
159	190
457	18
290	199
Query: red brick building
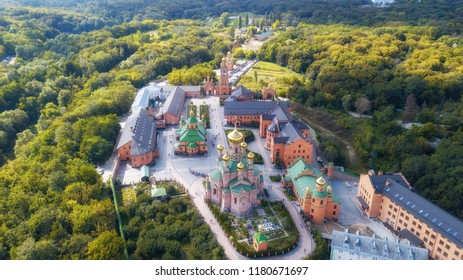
223	88
390	198
137	142
317	200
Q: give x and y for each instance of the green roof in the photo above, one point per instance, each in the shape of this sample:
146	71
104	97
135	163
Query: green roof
242	187
260	237
145	171
286	179
215	175
191	135
192	120
238	186
192	145
225	190
159	192
304	181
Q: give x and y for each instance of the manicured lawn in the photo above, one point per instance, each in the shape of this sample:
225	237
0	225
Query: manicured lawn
270	73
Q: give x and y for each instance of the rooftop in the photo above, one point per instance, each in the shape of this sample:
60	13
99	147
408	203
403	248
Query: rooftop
173	104
304	177
252	107
397	189
240	91
141	130
380	248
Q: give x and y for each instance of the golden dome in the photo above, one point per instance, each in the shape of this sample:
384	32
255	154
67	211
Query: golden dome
244	145
250	155
220	147
240	166
235	136
226	157
320	181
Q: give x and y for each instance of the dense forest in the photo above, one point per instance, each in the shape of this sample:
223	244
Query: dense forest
59	103
393	73
70	68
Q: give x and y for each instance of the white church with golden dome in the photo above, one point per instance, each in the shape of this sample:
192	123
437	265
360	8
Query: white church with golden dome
235	184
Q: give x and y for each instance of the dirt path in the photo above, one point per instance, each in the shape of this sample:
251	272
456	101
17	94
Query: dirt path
325	123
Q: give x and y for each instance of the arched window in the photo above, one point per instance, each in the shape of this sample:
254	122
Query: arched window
235	200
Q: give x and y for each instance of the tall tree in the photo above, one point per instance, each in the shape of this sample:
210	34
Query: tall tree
224	19
410	109
362	105
246	20
240	22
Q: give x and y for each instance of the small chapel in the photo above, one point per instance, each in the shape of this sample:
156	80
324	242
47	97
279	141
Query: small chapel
236	183
191	137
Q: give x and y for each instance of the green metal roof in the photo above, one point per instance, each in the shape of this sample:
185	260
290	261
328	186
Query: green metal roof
242	187
159	192
192	145
208	184
260	237
145	171
192	120
215	175
225	190
191	136
304	181
286	179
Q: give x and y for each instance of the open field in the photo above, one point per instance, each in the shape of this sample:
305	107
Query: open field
268	73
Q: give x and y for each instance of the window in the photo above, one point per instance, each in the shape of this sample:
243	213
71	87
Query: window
311	210
426	232
425	239
407	218
389	212
390	206
235	200
441	242
393	216
419	226
431	244
446	254
401	214
414	223
395	210
311	217
334	213
400	221
433	236
447	247
335	207
405	225
313	200
439	249
321	202
456	253
418	234
413	230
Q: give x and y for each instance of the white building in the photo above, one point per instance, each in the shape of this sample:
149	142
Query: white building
353	246
152	91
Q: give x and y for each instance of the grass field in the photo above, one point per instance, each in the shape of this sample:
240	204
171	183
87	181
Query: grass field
268	73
